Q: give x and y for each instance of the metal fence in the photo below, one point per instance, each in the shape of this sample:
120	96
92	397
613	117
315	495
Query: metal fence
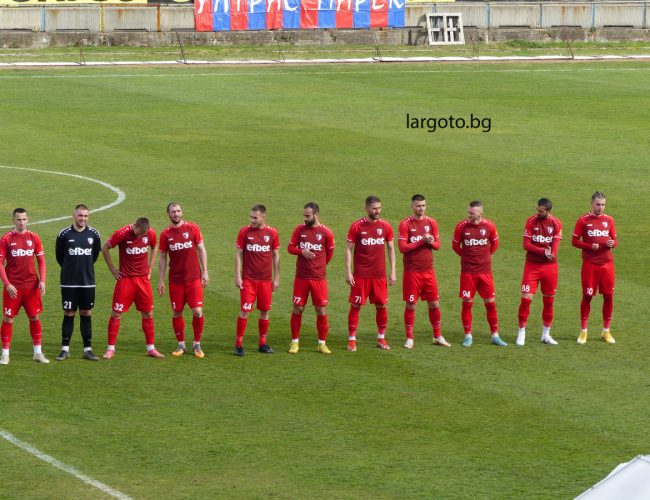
153	18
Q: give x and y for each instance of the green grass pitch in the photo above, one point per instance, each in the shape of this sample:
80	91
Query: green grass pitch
485	422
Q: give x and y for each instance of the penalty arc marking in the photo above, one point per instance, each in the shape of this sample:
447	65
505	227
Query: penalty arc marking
60	465
120	194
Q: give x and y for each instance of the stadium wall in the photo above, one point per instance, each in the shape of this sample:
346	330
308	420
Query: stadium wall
156	25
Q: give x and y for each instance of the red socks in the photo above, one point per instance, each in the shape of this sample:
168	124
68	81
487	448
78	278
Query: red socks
547	311
434	319
353	320
113	329
381	318
36	332
608	309
263	325
241	328
585	308
322	327
466	317
148	329
5	333
179	328
409	319
524	311
197	327
493	321
296	321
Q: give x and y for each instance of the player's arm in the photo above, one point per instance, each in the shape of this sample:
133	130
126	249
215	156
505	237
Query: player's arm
434	241
349	278
276	268
455	241
42	272
109	262
60	250
557	238
152	259
329	252
578	242
403	240
162	267
612	242
97	248
203	260
239	257
391	260
292	247
11	290
494	245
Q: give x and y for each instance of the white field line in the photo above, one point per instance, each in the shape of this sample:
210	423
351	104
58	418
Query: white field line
60	465
120	194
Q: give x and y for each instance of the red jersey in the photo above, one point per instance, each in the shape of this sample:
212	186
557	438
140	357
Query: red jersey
475	243
257	245
19	250
181	242
540	234
319	240
592	229
418	255
134	250
369	240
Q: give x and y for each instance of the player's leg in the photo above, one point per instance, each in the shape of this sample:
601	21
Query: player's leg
264	296
144	304
319	298
358	296
548	279
194	299
247	297
606	287
528	288
379	297
485	288
431	295
466	293
86	303
70	302
123	295
177	301
300	294
10	306
410	294
33	305
588	284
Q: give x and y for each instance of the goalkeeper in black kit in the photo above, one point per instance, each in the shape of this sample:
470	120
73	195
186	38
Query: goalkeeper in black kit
77	248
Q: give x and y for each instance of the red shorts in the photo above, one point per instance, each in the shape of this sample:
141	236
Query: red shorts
190	293
130	289
546	274
597	278
28	298
416	285
303	287
375	288
470	283
256	291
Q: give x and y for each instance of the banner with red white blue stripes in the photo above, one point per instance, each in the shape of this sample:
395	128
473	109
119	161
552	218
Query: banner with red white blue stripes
239	15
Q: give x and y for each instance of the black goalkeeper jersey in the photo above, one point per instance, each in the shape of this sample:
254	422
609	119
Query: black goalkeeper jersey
76	253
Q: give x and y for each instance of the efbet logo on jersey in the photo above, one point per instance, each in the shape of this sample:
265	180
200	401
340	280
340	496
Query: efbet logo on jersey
538	238
137	250
22	253
597	232
256	247
80	251
473	242
372	241
415	239
180	246
305	245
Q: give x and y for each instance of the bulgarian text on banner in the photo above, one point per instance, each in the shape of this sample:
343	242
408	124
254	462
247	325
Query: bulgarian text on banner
237	15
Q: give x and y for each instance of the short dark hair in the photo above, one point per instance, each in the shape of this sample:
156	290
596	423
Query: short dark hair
598	195
258	207
18	211
545	202
475	203
81	206
171	204
417	197
314	206
372	199
142	222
